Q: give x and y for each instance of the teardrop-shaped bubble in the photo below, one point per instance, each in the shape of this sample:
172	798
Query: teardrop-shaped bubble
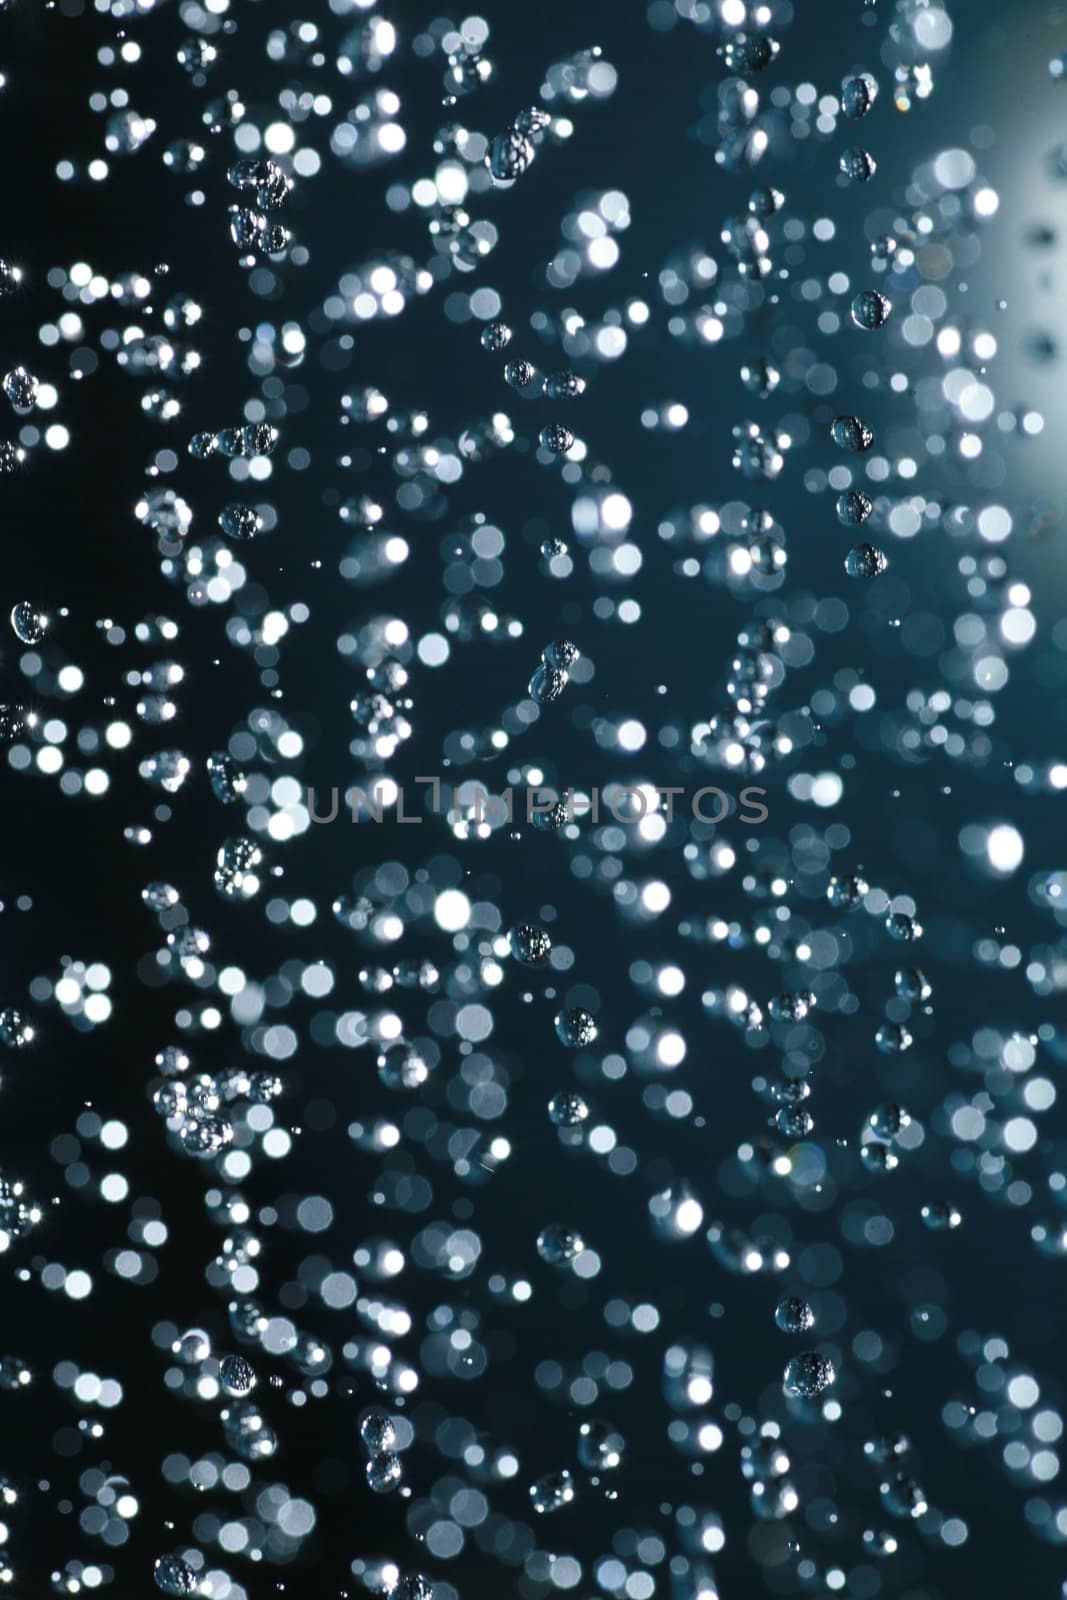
866	561
377	1430
794	1315
858	95
576	1028
850	433
853	507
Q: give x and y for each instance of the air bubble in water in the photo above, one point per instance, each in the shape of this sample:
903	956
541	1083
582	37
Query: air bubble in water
377	1430
870	309
853	507
858	95
174	1576
558	1244
866	561
600	1446
576	1028
849	433
496	336
22	389
30	625
384	1473
808	1375
794	1315
15	1032
531	944
556	438
236	1375
568	1109
552	1492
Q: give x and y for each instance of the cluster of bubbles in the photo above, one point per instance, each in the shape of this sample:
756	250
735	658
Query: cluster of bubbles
493	1342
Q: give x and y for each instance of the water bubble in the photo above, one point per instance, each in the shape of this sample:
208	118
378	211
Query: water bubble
749	53
496	336
531	944
870	309
196	55
547	684
849	433
21	389
808	1374
509	155
519	374
377	1430
878	1158
228	782
765	202
384	1473
795	1122
903	1497
911	984
15	1031
940	1216
888	1120
794	1315
857	165
568	1109
30	625
886	1447
236	1375
902	927
846	891
412	1586
10	278
403	1066
600	1446
760	377
562	654
858	95
552	818
564	386
240	521
558	1244
204	1135
552	1492
576	1028
853	507
192	1348
866	561
556	438
247	227
892	1038
239	869
202	446
174	1576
